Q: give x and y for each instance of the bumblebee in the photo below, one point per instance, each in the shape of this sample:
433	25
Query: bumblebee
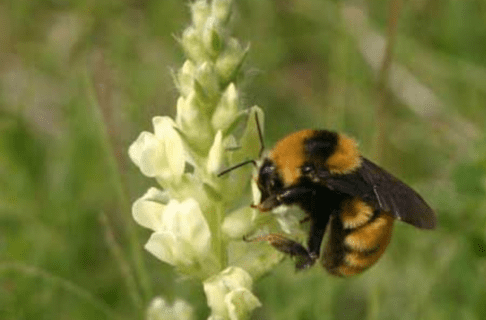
341	192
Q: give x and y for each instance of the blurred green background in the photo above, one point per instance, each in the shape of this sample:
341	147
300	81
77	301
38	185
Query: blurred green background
80	79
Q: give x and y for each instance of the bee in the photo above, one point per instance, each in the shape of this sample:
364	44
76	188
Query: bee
342	193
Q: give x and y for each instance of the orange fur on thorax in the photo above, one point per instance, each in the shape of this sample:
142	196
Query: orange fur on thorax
346	158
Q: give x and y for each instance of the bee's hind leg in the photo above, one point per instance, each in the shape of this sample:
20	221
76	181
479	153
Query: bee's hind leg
304	258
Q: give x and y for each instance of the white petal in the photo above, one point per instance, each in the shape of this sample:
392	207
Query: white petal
174	148
238	223
235	277
168	248
241	303
218	286
148	153
148	209
163	126
187	222
215	293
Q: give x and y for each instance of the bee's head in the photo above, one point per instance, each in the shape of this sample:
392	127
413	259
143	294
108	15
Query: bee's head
270	185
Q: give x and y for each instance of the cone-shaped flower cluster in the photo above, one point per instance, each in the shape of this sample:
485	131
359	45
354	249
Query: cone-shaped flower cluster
197	218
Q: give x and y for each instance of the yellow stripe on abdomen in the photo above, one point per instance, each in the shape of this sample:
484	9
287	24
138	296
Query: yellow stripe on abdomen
352	251
355	213
370	235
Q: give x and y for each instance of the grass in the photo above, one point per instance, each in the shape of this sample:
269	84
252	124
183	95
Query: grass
80	79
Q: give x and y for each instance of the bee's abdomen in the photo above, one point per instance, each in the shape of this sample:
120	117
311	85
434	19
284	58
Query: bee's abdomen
353	247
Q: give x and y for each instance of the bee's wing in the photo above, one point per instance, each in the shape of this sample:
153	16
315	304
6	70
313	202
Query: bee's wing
385	192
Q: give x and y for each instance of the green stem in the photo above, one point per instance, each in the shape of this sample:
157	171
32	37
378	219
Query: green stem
222	247
116	181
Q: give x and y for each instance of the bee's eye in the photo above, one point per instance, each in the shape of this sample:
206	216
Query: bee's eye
267	170
274	183
268	178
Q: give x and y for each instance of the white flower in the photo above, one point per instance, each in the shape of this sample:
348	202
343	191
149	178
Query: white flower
181	233
147	211
238	223
229	294
159	309
193	226
161	154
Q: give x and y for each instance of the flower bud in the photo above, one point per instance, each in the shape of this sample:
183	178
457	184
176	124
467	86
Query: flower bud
194	123
191	43
226	110
206	86
211	37
200	12
185	78
215	156
230	61
221	9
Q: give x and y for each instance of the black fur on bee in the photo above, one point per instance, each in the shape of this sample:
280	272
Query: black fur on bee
344	194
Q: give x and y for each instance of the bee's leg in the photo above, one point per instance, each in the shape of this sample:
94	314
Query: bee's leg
287	196
315	240
295	194
316	234
290	247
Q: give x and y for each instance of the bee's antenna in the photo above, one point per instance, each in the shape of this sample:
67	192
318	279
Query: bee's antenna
260	135
241	164
262	147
